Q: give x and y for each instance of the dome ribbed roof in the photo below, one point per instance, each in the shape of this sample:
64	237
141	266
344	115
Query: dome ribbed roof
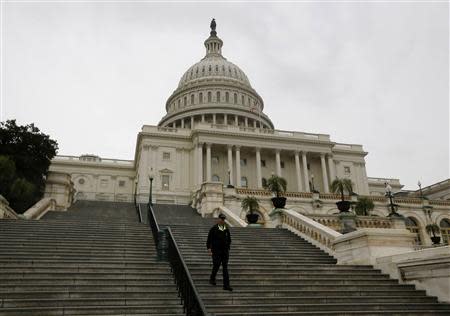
214	67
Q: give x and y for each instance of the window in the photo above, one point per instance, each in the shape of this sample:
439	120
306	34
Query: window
218	96
192	99
242	100
227	97
243	162
103	183
235	98
165	182
263	163
413	227
308	166
179	102
166	156
81	181
184	101
200	98
216	178
121	183
445	230
209	96
264	182
347	170
244	183
282	164
215	160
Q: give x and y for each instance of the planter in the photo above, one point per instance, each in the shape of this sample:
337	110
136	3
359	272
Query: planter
343	206
436	240
279	202
252	218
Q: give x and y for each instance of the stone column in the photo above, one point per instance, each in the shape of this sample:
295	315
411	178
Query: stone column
238	166
192	122
174	124
246	121
208	162
278	162
331	168
182	123
254	123
203	118
225	119
200	163
214	118
298	173
324	173
230	163
236	120
258	169
305	172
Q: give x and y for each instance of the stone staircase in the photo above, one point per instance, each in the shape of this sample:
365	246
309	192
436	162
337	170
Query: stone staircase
94	259
274	272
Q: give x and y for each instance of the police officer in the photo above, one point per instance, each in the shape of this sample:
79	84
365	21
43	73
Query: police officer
218	244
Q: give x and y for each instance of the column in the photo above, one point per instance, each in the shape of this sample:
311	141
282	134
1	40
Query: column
331	168
238	166
203	118
246	121
305	172
258	169
254	123
298	173
208	162
143	166
214	118
174	124
324	173
192	122
278	162
236	120
200	163
225	119
230	163
182	123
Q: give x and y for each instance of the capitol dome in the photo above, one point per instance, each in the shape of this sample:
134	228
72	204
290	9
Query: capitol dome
214	90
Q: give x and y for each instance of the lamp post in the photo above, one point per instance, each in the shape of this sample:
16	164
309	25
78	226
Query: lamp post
420	189
150	195
135	191
392	205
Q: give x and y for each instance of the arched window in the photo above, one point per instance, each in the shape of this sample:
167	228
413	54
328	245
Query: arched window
192	99
184	101
445	230
218	96
209	96
217	68
264	182
244	182
413	226
242	100
209	68
216	178
179	102
200	97
235	98
227	97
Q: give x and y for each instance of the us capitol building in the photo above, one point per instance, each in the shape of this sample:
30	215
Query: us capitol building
215	140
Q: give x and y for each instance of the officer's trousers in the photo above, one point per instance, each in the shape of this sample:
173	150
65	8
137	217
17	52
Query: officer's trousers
220	259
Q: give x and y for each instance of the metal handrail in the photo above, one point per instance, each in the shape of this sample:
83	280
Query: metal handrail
192	303
138	210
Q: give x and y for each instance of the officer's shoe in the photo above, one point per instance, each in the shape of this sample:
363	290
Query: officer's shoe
212	282
228	288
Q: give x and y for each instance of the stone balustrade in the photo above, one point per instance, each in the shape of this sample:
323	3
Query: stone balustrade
40	208
6	212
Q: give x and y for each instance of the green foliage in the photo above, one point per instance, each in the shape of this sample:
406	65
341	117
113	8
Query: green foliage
433	229
250	203
25	156
364	206
277	185
340	185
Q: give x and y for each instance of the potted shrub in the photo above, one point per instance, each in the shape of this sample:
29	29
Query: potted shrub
364	206
277	185
340	186
250	204
433	229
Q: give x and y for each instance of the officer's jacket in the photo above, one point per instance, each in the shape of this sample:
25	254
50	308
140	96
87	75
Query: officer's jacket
219	240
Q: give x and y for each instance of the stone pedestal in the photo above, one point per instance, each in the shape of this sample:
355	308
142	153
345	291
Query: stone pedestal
348	222
211	197
59	186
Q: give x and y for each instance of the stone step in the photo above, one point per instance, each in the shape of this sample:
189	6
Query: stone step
333	270
129	275
206	288
286	281
91	310
160	292
87	287
151	263
86	255
83	238
339	313
9	243
294	276
75	249
124	281
95	301
324	292
98	269
326	307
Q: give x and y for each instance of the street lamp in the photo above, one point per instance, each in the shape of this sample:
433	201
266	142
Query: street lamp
229	179
392	205
150	195
420	189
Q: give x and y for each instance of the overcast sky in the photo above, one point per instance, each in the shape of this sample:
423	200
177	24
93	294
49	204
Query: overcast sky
375	74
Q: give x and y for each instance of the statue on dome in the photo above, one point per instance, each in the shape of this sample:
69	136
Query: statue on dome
213	27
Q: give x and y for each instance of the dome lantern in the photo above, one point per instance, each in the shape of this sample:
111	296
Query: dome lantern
213	44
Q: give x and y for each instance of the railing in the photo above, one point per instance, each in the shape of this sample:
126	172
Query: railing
138	210
192	303
40	208
334	222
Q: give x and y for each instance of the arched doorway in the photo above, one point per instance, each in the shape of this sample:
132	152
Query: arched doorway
413	226
445	230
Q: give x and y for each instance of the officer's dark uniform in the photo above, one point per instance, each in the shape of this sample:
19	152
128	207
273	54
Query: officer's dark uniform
219	241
